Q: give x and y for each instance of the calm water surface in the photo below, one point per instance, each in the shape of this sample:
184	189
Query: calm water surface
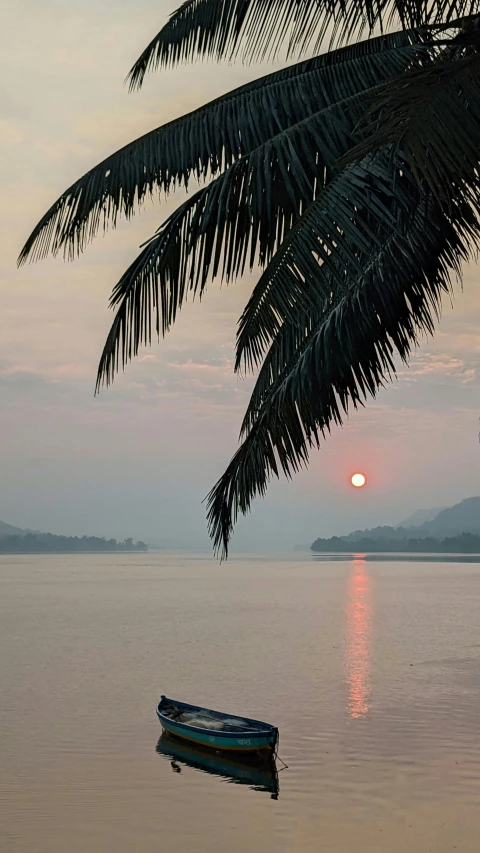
370	669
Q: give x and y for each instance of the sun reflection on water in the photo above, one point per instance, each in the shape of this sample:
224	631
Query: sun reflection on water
359	627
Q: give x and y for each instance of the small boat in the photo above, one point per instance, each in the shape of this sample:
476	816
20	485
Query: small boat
260	774
214	729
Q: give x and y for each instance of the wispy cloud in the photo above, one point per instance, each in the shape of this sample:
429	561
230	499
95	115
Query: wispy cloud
440	366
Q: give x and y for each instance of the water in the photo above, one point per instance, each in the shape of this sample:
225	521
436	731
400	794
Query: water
370	669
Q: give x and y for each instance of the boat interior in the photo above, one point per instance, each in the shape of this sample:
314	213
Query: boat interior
213	720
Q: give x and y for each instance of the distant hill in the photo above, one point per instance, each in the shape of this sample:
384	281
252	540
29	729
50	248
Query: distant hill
461	518
456	529
421	516
10	530
15	540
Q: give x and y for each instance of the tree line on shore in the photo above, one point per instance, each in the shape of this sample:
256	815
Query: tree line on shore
463	543
49	543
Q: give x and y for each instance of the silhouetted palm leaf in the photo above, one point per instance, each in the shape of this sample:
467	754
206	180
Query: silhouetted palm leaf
238	220
349	351
208	140
435	116
259	28
340	230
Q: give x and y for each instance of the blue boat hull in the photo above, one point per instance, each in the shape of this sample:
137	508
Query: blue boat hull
264	740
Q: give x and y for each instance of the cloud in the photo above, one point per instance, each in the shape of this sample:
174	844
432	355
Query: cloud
218	366
440	367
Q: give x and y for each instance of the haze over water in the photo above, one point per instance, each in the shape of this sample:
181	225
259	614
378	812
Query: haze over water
371	670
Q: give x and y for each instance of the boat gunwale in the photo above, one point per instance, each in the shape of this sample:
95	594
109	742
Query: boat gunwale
266	730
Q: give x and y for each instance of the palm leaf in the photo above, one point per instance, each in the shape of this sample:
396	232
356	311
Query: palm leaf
348	354
238	220
208	140
339	229
434	116
315	368
282	353
259	28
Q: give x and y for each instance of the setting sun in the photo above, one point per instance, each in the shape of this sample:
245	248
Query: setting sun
358	480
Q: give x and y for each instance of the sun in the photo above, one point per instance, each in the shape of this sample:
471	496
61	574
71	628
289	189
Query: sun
358	480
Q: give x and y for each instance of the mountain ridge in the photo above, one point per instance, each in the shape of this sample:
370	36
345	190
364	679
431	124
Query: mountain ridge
463	517
459	520
11	530
420	516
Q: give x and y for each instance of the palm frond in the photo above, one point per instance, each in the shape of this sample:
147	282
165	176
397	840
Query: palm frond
339	230
149	292
256	29
347	355
434	115
282	353
217	27
237	221
208	140
426	127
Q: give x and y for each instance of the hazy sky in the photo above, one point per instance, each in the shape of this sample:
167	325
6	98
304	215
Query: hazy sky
139	459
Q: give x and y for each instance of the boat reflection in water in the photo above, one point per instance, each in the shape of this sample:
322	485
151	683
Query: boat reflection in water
260	774
359	629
